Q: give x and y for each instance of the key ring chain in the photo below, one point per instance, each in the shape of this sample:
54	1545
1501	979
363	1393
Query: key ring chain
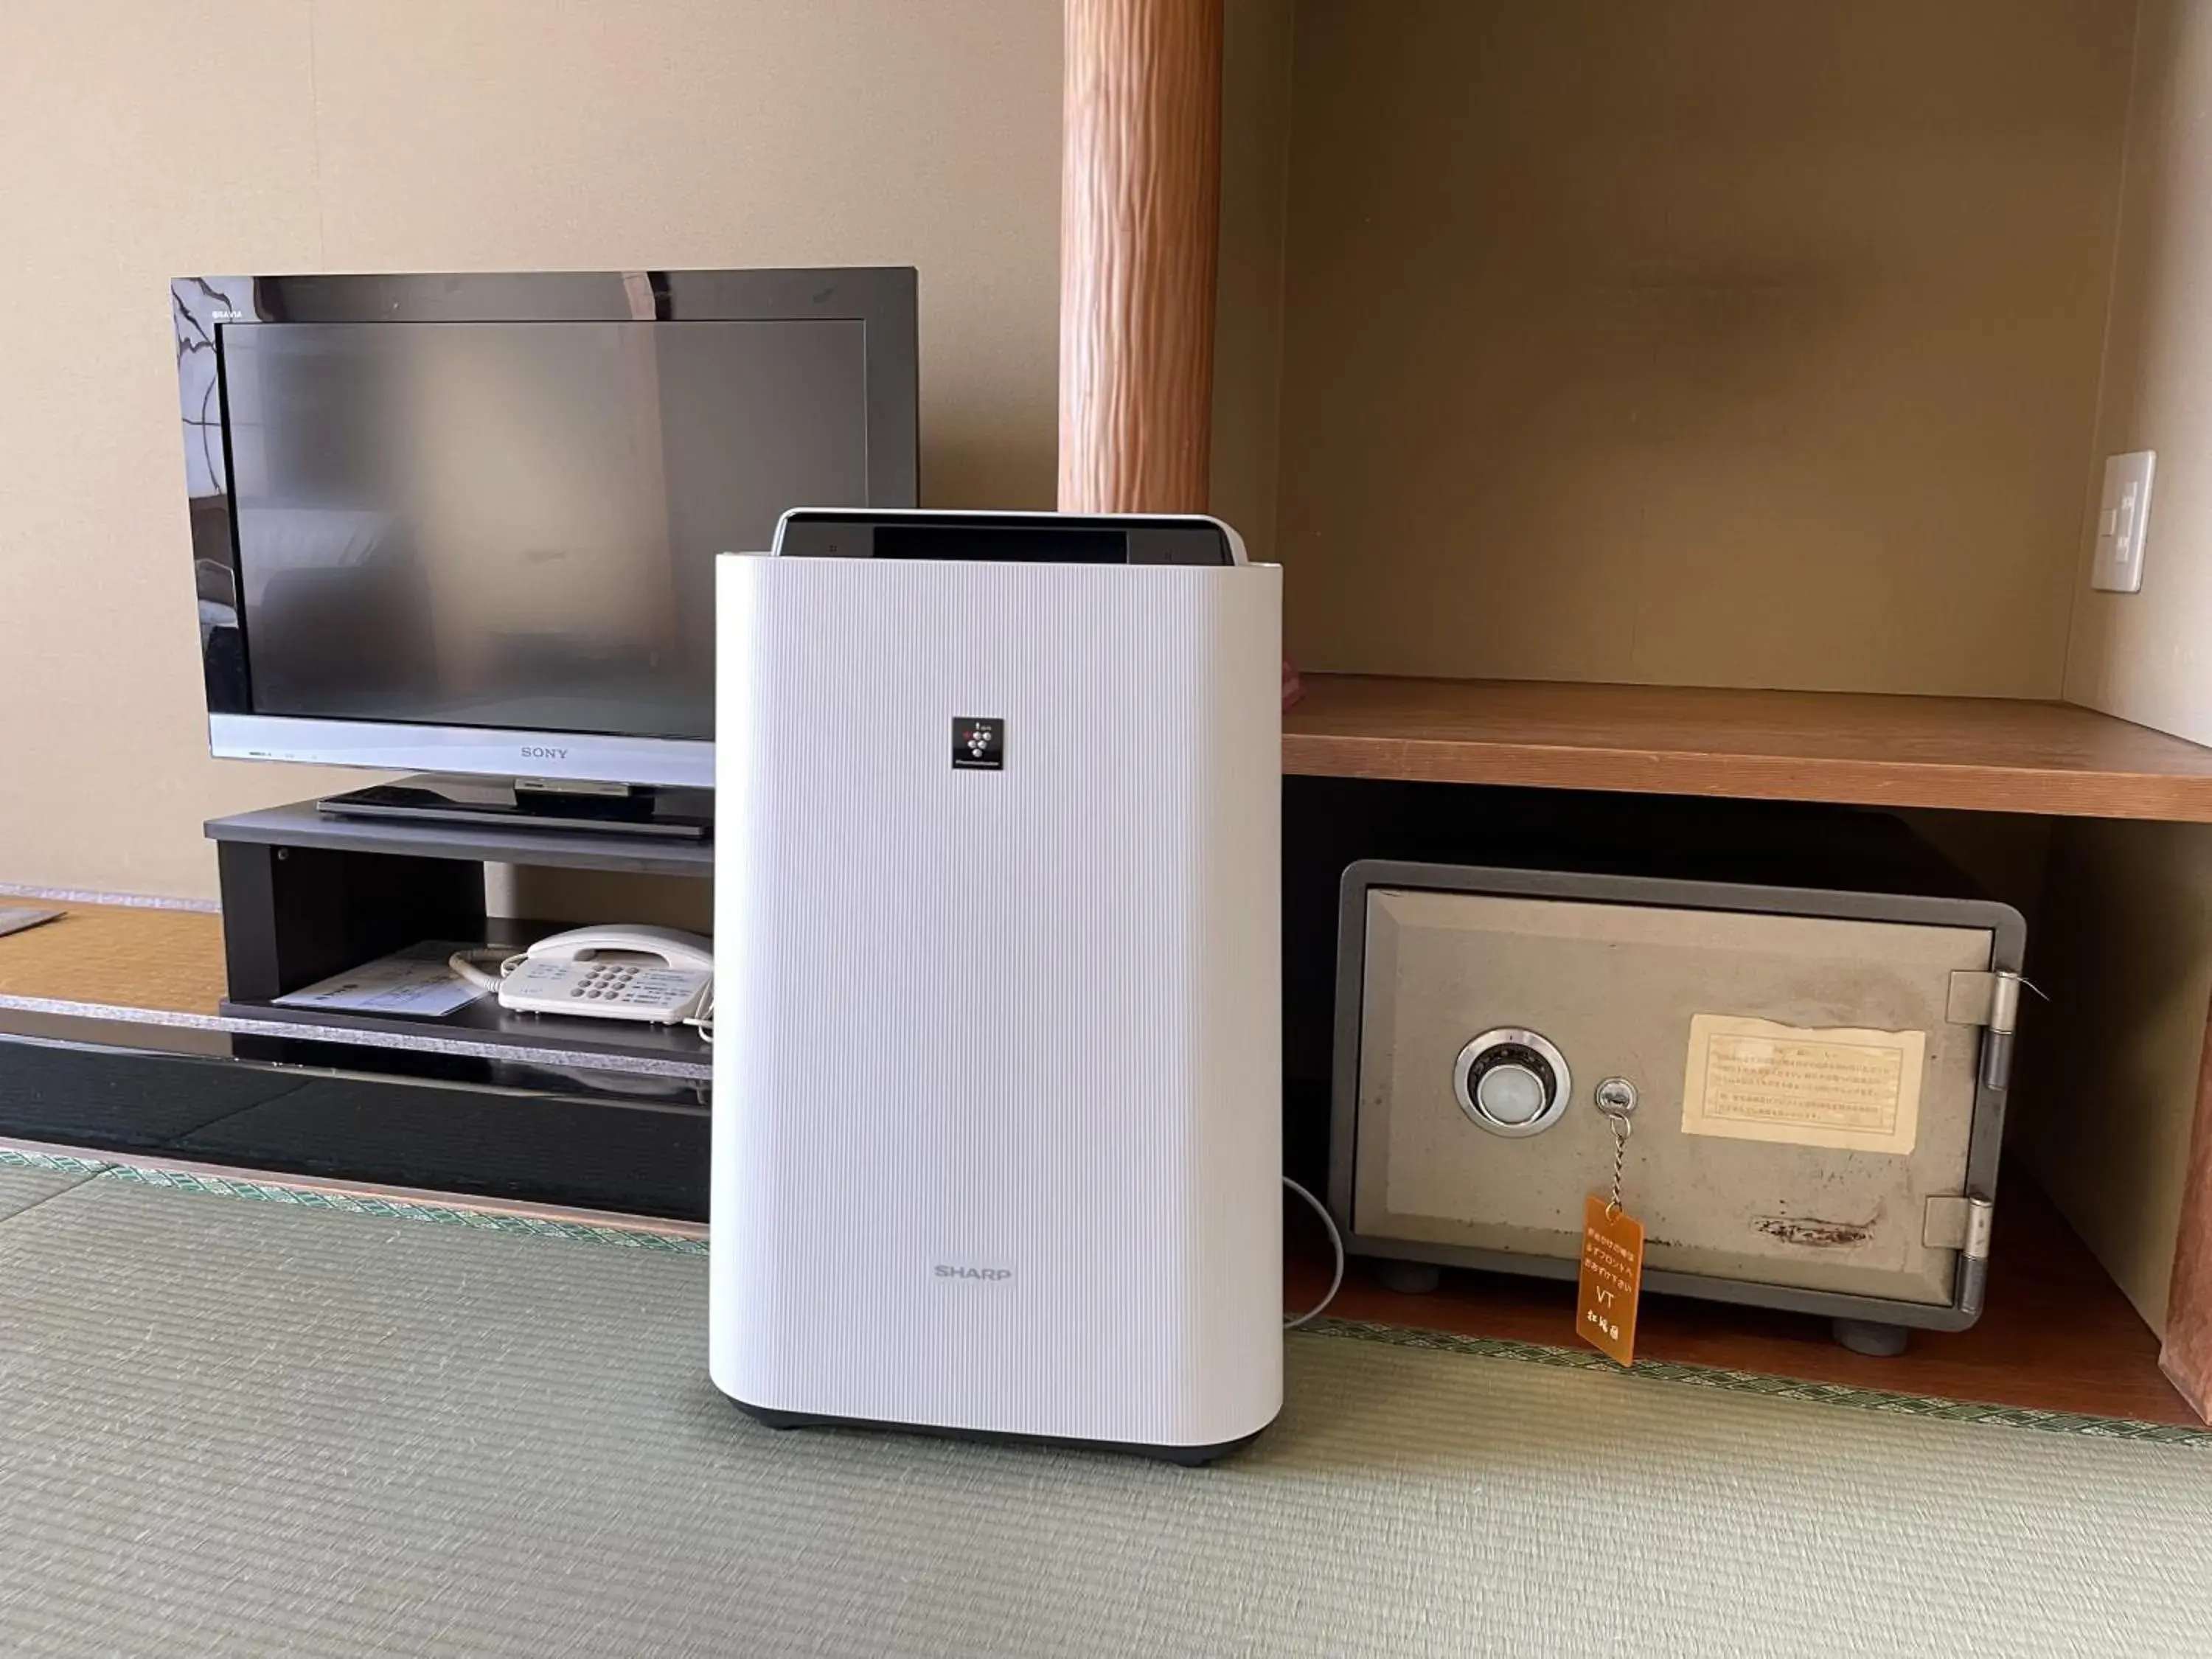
1616	1098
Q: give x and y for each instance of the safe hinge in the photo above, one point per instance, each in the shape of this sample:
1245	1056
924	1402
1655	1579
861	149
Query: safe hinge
1960	1221
1992	1000
1986	998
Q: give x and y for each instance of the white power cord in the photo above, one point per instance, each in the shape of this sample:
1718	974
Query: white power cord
701	1019
1336	1243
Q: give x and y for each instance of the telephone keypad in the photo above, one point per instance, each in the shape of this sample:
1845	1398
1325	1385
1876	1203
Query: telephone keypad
625	990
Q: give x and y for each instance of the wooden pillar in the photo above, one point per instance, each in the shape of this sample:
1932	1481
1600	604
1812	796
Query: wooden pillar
2186	1355
1140	219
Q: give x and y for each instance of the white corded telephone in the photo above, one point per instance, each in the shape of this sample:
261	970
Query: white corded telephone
657	975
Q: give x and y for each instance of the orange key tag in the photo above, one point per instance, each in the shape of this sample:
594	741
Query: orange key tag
1612	1245
1611	1279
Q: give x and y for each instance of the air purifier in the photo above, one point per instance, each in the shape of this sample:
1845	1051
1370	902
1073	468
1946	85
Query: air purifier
997	1139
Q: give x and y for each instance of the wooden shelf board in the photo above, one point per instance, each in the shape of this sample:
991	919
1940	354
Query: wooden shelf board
1982	754
2057	1335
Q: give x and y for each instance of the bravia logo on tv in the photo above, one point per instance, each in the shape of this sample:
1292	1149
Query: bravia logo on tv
992	1273
539	751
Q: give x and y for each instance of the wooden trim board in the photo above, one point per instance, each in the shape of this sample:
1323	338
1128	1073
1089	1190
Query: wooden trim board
1982	754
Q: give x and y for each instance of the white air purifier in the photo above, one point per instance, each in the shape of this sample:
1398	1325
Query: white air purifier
996	1136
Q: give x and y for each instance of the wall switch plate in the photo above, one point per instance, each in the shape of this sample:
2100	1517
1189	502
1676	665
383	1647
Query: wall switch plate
2123	519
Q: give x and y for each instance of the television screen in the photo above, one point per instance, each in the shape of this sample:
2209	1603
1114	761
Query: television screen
513	525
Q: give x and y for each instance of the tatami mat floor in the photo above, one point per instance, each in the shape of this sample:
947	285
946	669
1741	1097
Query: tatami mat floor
242	1419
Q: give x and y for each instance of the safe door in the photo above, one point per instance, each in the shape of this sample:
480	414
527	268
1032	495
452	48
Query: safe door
1816	1078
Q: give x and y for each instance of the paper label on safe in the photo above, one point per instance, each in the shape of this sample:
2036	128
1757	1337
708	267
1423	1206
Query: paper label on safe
1753	1079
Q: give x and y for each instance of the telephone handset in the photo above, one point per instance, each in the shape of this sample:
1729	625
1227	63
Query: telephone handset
659	975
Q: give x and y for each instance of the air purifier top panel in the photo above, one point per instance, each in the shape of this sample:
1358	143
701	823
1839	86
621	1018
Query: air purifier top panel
1008	537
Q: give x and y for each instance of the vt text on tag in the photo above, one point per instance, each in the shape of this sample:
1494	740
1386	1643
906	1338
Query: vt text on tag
1611	1279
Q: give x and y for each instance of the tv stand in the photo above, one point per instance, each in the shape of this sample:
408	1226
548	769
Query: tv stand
676	814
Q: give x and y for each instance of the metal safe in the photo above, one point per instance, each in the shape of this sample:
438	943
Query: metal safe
1815	1081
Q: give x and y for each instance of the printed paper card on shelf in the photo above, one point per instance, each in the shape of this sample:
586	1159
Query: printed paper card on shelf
414	982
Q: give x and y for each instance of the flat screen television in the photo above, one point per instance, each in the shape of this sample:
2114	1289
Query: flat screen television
466	525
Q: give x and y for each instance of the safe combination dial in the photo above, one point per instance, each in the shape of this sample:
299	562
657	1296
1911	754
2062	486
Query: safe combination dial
1511	1082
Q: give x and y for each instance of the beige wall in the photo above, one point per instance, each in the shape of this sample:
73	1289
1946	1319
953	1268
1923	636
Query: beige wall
1697	341
2109	1064
1248	330
2147	656
148	140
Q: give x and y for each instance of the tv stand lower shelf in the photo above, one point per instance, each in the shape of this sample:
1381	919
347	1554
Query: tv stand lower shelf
305	896
484	1030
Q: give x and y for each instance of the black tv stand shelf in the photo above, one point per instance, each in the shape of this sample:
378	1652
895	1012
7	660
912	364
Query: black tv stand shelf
301	825
306	894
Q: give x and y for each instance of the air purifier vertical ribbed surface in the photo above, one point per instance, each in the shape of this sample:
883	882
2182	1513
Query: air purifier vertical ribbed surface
997	1056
